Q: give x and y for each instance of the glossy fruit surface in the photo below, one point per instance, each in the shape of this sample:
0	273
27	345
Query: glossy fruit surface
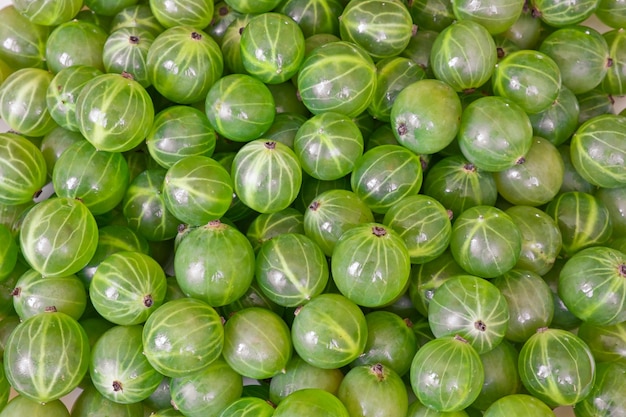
612	83
426	116
541	239
607	343
257	343
427	277
530	182
423	224
127	287
557	367
417	409
563	318
144	207
352	76
115	128
312	187
90	16
267	226
384	175
391	342
249	6
329	331
166	412
313	17
183	63
197	190
432	15
591	284
485	241
173	354
46	356
366	387
248	406
207	391
610	12
311	401
90	401
298	374
214	263
331	214
58	236
288	119
114	7
28	40
182	13
240	107
118	368
22	405
8	253
472	308
393	75
291	269
463	55
272	47
126	50
267	175
501	375
98	178
529	302
7	285
459	184
63	92
447	374
54	143
557	14
321	205
496	17
594	103
22	167
382	28
559	121
180	131
493	146
604	400
230	43
370	265
529	78
615	200
111	239
34	294
580	232
63	52
572	181
519	403
582	55
328	145
23	104
594	154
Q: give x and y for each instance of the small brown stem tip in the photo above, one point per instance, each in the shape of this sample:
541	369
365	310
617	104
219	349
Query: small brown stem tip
480	325
314	205
379	231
